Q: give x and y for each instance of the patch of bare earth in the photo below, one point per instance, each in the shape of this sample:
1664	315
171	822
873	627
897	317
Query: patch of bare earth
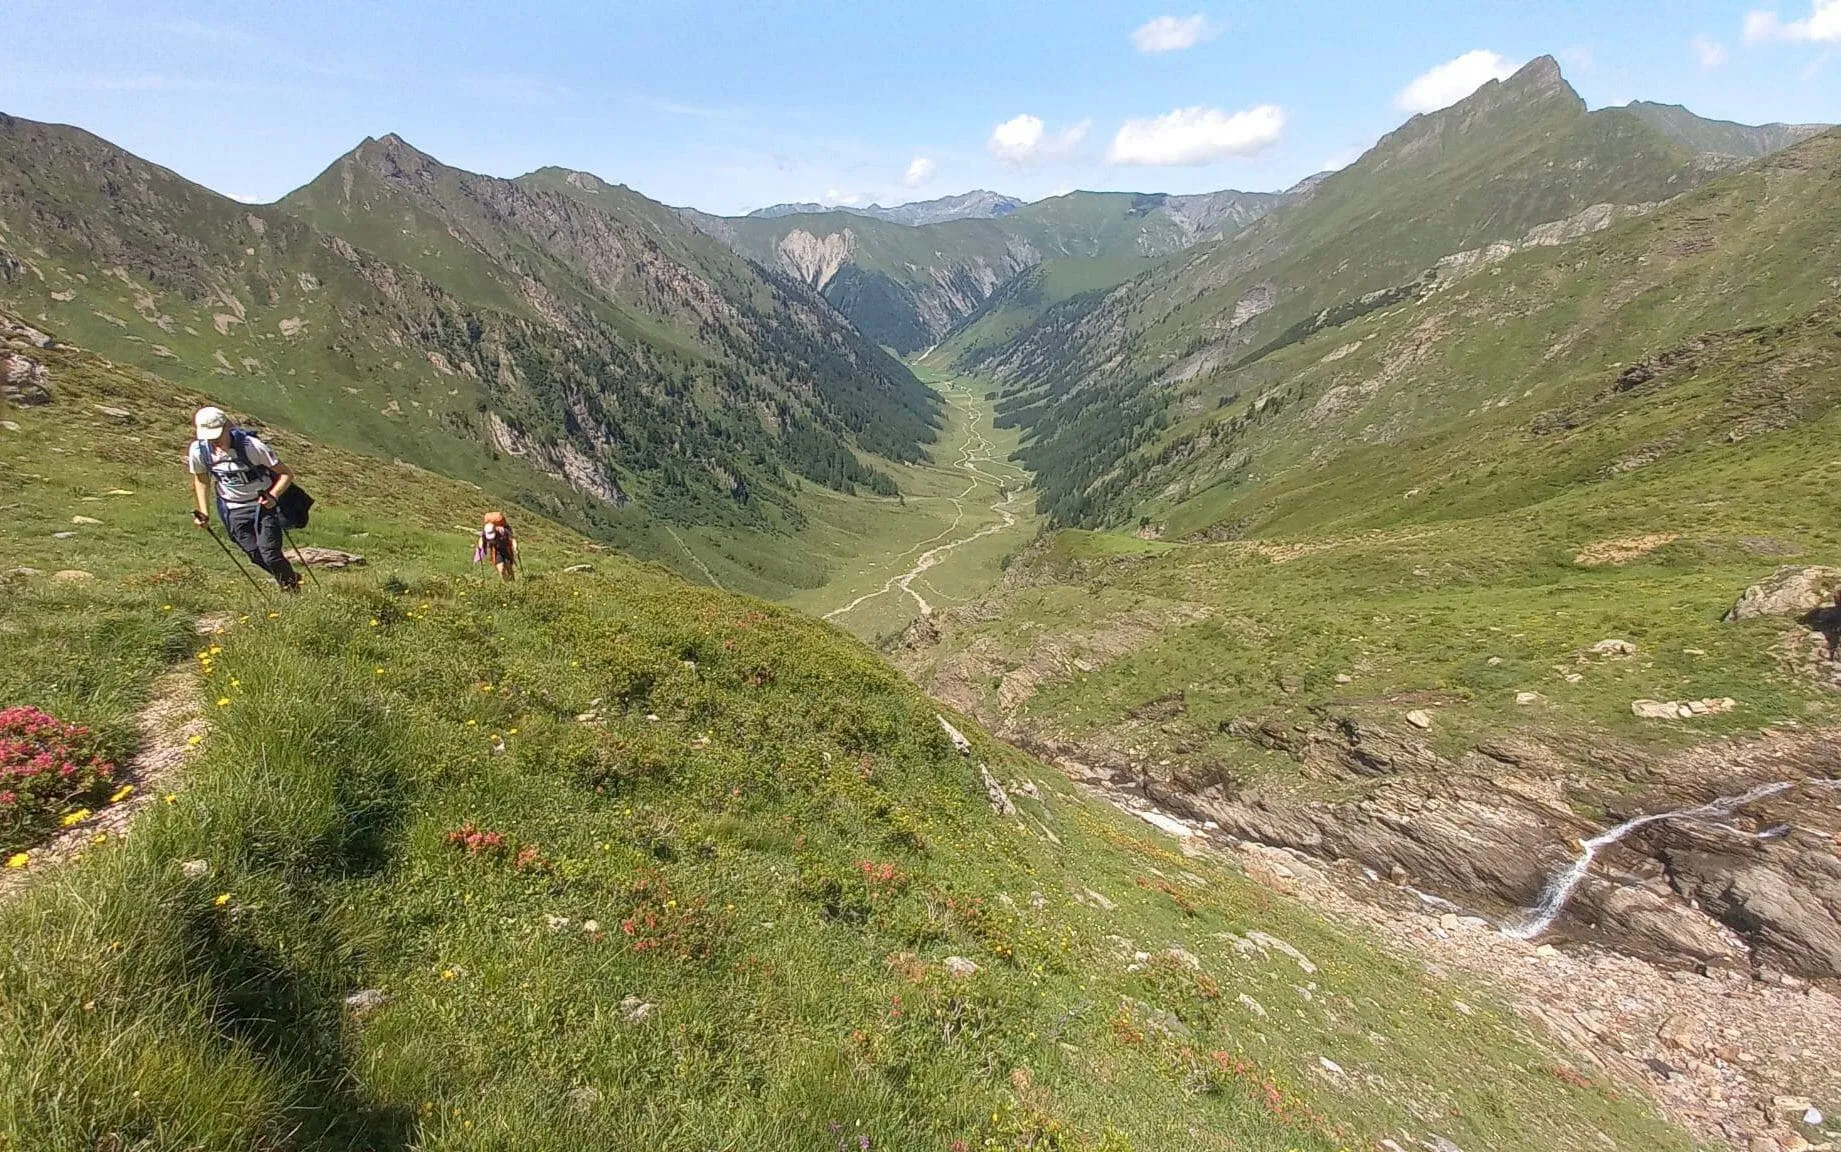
1622	551
171	726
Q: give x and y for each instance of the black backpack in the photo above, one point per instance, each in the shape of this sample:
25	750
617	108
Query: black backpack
295	504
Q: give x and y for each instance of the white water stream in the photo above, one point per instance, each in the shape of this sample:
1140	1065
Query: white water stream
1560	886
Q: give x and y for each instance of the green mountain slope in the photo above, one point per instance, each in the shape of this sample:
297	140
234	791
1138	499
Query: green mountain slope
907	286
608	860
1722	137
567	345
1520	161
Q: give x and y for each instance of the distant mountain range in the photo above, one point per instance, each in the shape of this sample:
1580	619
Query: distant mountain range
906	285
974	205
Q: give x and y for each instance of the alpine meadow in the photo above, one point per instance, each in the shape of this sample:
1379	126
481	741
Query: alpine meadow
1316	657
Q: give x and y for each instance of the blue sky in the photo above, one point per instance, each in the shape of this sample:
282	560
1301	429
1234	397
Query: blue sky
731	105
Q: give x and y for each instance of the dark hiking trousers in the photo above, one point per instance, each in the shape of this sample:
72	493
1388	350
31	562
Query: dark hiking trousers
258	533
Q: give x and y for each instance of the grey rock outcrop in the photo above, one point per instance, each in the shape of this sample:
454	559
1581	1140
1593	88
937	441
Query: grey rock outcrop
1790	591
23	380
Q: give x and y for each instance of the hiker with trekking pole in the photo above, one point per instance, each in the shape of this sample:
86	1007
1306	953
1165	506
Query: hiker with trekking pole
257	499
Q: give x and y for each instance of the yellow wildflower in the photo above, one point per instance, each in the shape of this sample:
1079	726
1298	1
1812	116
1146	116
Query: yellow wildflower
170	798
235	683
18	860
274	615
373	621
166	607
99	838
221	899
447	973
194	740
511	731
379	671
472	723
122	793
223	701
76	817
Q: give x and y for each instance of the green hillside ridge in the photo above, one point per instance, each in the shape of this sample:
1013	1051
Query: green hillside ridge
907	286
723	881
1723	137
1093	380
612	367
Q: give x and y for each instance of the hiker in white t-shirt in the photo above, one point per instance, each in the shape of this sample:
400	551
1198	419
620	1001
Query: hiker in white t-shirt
248	477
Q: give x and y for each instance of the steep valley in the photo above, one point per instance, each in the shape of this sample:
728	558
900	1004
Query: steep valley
1345	668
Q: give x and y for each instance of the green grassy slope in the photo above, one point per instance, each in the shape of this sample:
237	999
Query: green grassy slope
614	369
728	814
1093	379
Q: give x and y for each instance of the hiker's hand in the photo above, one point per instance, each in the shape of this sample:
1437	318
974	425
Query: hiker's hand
200	519
266	500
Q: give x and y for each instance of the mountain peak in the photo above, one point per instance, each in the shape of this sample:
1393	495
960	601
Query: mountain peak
1539	74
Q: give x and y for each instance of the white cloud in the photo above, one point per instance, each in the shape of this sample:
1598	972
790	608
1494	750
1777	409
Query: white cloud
920	170
1823	24
1026	140
1172	34
1710	53
1453	80
1197	136
847	199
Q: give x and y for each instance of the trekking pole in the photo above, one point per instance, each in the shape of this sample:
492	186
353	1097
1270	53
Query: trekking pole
298	555
233	559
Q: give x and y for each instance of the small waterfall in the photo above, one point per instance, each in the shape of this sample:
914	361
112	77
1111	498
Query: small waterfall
1561	884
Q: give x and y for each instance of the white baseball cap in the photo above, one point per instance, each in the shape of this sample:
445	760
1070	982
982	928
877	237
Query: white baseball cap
209	422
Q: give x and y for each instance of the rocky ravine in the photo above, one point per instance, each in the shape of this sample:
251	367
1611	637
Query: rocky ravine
1705	964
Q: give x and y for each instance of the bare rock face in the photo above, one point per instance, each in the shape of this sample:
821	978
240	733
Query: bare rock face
1791	591
1785	895
23	380
1488	831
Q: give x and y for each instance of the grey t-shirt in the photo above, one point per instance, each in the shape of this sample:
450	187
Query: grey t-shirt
237	486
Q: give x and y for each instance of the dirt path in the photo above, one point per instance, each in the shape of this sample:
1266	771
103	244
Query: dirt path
171	725
977	450
695	559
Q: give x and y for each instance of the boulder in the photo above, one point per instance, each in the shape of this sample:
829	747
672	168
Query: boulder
23	380
328	557
366	1002
1792	590
1419	718
73	576
1614	648
959	968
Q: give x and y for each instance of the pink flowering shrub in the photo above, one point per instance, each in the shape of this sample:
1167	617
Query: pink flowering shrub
46	766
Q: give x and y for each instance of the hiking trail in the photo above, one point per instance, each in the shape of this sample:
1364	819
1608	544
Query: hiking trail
977	450
172	724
